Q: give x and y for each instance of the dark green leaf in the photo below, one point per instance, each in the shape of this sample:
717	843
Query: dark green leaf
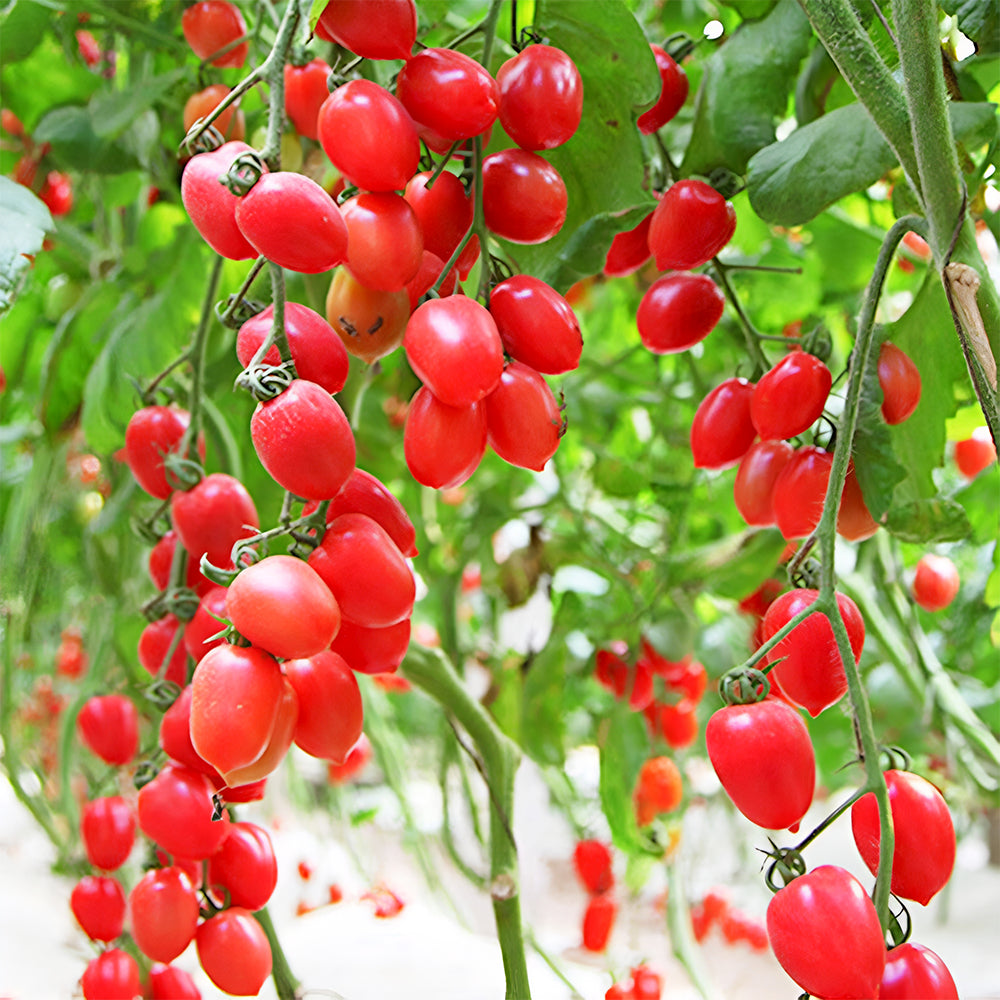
22	25
24	220
751	10
732	567
744	91
936	520
71	133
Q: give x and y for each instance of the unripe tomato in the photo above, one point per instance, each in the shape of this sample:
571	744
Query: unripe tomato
175	811
304	440
722	432
152	434
764	759
211	25
692	223
385	245
112	975
536	324
899	380
369	136
293	222
369	322
673	93
753	488
523	420
443	444
374	29
244	867
914	972
935	582
212	517
164	909
541	97
281	605
524	196
331	713
800	491
98	903
109	726
678	311
230	124
305	92
234	951
372	650
454	347
107	828
790	397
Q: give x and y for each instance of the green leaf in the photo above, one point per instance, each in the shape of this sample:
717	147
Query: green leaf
22	25
603	164
624	747
733	567
24	220
792	181
75	142
744	90
979	20
113	111
751	10
936	520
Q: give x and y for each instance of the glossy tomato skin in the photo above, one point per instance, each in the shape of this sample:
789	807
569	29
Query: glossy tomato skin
800	490
373	650
234	951
316	349
975	453
244	867
524	196
175	811
168	982
454	347
673	93
899	379
370	579
592	863
826	935
211	206
112	975
98	903
443	445
210	518
230	123
385	243
109	726
304	440
375	29
175	736
523	420
678	311
753	488
599	921
305	92
444	211
790	397
107	828
363	493
235	693
155	641
369	136
281	605
923	854
153	433
935	582
811	673
293	222
369	322
764	758
854	519
164	910
722	431
331	714
211	25
692	223
914	972
448	92
278	744
536	324
541	97
629	250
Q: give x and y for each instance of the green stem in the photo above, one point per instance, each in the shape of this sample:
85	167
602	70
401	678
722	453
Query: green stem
750	332
831	819
285	983
274	73
682	942
431	671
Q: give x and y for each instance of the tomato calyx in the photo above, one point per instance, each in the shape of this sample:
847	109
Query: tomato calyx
744	686
246	170
787	864
265	382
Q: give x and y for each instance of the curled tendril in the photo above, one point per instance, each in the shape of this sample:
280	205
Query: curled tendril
233	312
246	170
529	35
144	773
200	139
223	577
744	686
162	693
264	382
246	552
787	865
155	608
182	473
900	925
182	603
147	529
896	758
678	46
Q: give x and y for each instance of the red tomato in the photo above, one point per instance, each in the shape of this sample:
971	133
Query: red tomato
369	322
331	713
155	642
914	972
524	423
204	630
629	250
212	517
524	196
975	453
443	444
658	789
826	935
454	347
367	574
305	92
899	380
374	29
811	673
98	903
354	762
541	97
854	519
234	951
448	92
317	350
175	735
231	123
646	984
753	488
211	25
112	975
153	433
790	397
536	324
385	244
167	982
444	211
211	205
673	93
109	726
175	811
598	921
164	909
235	692
278	744
369	136
427	276
372	650
161	558
364	494
692	223
107	828
923	854
592	862
764	759
677	724
678	311
722	432
800	491
281	605
57	193
244	867
935	582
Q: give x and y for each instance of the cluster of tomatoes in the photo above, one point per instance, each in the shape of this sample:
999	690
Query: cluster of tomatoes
715	910
56	188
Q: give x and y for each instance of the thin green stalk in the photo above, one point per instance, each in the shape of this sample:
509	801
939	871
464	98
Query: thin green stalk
285	983
750	333
682	942
196	355
430	670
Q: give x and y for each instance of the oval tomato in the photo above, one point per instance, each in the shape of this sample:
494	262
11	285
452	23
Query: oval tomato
524	196
444	211
109	726
112	975
168	982
629	250
914	972
372	650
854	519
935	582
790	397
175	811
385	244
241	779
155	642
230	123
374	29
331	713
722	432
443	445
364	494
210	25
691	224
899	379
976	453
212	517
107	828
673	93
764	758
153	434
599	921
800	491
524	423
234	951
175	736
98	903
305	92
753	488
369	322
659	789
204	630
161	558
244	867
164	909
678	311
592	862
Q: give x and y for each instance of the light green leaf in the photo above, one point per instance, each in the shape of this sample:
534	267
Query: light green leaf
923	521
24	220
